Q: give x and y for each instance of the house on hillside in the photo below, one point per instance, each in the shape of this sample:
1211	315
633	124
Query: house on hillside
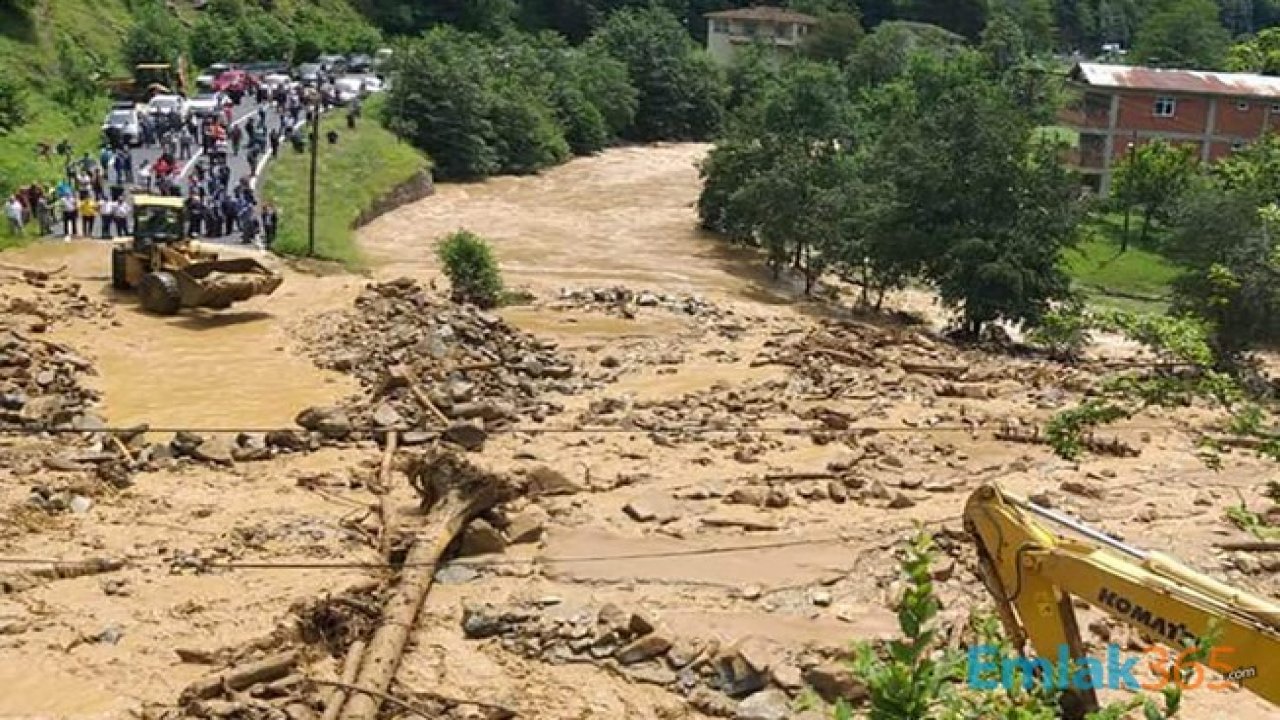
1125	106
782	30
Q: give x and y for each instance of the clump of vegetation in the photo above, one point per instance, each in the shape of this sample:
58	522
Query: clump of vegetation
471	267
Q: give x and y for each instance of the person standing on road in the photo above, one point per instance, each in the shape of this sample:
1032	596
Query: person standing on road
13	210
88	214
195	214
108	211
230	213
185	141
270	223
248	224
235	136
262	113
70	216
124	210
273	140
44	213
144	175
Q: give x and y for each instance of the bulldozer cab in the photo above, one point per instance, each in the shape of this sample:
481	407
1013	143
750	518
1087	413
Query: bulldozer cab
149	75
157	221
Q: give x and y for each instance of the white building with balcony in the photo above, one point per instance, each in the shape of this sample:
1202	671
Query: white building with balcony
782	30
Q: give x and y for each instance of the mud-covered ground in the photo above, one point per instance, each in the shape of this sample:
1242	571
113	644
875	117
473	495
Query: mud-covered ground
732	466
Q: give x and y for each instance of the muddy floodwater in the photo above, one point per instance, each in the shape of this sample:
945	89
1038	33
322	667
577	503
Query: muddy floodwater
626	216
201	368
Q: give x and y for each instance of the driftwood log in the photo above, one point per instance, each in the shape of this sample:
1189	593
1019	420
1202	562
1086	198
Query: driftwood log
241	677
453	492
950	372
1114	447
350	668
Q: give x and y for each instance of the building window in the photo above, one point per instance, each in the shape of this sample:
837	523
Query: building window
1275	108
1237	145
720	26
1165	107
1242	106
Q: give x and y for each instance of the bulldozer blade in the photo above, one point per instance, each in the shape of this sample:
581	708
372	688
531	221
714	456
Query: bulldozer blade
219	283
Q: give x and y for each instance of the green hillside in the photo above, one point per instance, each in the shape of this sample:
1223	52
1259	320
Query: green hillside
58	50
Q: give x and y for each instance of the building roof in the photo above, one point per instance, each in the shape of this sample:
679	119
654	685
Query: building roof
1179	81
764	12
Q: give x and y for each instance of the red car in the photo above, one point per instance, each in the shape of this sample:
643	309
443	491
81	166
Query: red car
233	81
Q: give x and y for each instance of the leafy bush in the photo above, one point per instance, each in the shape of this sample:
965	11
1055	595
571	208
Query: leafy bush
471	268
1064	332
13	103
77	73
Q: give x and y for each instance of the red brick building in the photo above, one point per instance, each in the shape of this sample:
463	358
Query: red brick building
1122	106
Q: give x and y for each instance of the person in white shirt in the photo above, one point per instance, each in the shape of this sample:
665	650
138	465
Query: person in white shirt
107	211
124	209
13	211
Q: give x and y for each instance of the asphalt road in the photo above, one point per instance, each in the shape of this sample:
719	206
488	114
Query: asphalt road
239	163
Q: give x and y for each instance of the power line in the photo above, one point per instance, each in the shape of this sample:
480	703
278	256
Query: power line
540	430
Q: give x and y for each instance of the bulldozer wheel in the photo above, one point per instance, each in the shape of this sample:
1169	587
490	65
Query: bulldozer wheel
159	293
119	263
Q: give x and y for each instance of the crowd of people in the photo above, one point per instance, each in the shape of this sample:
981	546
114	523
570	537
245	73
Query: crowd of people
94	198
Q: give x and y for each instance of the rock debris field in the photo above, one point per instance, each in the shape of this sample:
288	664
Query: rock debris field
613	501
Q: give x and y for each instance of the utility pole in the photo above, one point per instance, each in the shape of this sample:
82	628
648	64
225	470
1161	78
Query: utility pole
315	150
1128	201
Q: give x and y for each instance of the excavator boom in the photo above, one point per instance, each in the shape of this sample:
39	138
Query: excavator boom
1034	574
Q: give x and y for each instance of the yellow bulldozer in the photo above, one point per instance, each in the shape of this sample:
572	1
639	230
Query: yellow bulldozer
169	271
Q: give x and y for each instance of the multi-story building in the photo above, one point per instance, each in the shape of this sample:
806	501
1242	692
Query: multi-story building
782	30
1121	107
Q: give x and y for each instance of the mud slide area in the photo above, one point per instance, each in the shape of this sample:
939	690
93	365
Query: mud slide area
705	482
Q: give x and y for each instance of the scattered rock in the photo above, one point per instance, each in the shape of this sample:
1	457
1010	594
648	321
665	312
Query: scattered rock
331	422
645	648
900	501
481	538
526	526
1082	488
833	682
467	435
769	704
544	480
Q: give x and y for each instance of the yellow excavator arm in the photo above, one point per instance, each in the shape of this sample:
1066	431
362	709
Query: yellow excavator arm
1034	574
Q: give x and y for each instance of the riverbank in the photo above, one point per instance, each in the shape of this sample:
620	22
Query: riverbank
353	175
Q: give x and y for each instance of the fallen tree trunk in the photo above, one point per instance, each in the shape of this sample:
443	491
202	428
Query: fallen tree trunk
1114	447
453	492
241	677
350	668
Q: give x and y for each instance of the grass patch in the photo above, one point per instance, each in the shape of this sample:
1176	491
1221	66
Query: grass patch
1137	279
364	165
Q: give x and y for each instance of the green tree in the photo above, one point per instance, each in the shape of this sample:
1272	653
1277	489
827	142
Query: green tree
1154	176
835	38
963	17
471	267
215	40
1259	54
1183	34
989	209
887	52
155	37
680	92
266	37
1003	44
13	103
440	102
78	73
1034	19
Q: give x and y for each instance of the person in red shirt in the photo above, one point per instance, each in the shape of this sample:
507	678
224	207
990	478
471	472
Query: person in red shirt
163	167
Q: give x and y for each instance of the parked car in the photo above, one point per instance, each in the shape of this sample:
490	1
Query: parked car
207	104
331	63
204	81
359	64
259	70
124	121
233	82
372	83
275	81
381	58
169	107
310	74
348	88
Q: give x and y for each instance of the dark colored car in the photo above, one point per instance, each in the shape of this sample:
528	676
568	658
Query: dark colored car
259	70
359	64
